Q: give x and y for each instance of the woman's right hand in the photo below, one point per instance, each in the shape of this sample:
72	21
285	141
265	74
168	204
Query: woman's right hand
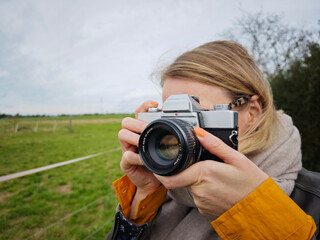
131	163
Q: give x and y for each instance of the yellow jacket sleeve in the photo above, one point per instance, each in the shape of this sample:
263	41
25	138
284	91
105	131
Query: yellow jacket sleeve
266	213
147	208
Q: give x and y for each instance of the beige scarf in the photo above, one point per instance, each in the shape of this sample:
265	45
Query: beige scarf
180	219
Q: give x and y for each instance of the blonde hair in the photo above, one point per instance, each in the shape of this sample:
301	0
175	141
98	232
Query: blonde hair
228	65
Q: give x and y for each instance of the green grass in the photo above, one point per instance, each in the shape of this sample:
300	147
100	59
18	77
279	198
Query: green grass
68	202
26	150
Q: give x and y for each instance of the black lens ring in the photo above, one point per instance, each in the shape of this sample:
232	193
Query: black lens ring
149	157
186	140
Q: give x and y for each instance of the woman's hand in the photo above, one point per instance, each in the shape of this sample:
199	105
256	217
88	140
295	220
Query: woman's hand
131	163
216	186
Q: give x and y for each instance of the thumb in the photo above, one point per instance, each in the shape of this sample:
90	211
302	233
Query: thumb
217	147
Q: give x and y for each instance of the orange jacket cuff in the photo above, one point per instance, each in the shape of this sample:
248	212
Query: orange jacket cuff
266	213
147	208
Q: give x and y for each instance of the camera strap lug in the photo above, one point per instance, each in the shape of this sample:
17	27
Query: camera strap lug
234	137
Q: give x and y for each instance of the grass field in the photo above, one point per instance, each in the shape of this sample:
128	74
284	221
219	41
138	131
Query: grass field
76	201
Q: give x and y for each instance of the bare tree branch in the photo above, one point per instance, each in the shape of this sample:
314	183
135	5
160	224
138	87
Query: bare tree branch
273	44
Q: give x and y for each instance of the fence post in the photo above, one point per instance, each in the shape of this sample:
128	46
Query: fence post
16	122
54	128
70	126
16	127
36	127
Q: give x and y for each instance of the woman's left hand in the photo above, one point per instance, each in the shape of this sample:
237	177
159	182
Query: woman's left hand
217	186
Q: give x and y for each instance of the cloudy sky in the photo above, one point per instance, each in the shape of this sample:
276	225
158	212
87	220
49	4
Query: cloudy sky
94	56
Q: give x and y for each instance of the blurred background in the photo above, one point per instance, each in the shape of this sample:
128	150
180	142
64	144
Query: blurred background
71	70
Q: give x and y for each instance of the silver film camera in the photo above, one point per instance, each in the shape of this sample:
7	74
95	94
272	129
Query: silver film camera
169	144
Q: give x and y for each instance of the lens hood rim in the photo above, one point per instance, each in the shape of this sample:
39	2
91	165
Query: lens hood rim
187	141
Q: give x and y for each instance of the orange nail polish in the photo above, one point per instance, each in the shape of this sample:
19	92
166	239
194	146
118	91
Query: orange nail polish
154	104
200	132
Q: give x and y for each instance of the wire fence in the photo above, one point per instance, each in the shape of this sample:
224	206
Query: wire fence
69	215
62	219
97	230
19	125
16	128
40	169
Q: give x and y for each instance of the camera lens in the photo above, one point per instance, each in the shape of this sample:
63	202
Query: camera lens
168	146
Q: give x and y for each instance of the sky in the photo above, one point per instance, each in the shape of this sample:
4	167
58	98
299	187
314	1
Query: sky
103	56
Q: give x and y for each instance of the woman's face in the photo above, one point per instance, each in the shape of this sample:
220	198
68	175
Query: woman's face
208	96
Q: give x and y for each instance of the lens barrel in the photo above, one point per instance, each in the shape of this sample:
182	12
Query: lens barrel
168	146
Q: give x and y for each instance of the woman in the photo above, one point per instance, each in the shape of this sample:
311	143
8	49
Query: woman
230	199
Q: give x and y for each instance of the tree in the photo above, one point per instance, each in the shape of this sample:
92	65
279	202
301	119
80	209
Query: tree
272	43
290	60
297	91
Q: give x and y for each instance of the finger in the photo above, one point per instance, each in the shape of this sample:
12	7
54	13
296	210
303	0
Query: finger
145	106
133	125
217	147
185	178
127	138
128	160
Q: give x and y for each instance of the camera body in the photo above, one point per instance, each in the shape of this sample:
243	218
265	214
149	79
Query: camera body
169	144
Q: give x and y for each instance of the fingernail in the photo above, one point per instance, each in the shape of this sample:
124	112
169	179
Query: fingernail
154	104
200	132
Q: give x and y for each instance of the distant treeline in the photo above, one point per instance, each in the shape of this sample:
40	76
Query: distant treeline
3	115
9	116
